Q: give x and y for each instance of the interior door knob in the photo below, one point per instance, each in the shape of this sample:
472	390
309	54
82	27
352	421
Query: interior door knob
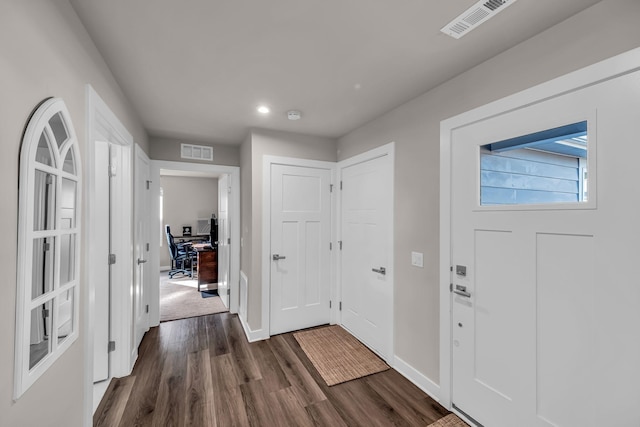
277	257
380	270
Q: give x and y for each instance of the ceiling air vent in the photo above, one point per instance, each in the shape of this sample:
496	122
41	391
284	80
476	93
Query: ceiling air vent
474	16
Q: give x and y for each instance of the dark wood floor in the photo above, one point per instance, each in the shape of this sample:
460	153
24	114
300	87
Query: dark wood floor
203	372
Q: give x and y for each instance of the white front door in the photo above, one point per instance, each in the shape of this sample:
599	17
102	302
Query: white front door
366	248
545	306
300	254
140	291
223	239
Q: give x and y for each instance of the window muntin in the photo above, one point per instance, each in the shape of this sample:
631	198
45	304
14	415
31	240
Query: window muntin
544	167
48	243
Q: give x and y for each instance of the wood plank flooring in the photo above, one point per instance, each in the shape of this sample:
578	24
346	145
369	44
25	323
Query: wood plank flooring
202	372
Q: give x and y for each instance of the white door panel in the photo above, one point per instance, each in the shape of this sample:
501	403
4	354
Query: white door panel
142	220
540	338
223	239
367	295
99	265
300	237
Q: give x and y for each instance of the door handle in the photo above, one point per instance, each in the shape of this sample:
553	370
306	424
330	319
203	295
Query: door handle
462	291
141	261
277	257
380	270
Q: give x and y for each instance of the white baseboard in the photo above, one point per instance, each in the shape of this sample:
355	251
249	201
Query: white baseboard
421	381
252	336
165	267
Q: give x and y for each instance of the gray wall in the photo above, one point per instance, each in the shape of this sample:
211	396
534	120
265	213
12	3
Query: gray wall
264	142
169	149
604	30
44	51
185	199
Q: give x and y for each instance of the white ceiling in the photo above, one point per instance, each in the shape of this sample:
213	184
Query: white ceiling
197	69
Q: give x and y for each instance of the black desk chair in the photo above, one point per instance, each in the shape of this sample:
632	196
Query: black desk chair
181	255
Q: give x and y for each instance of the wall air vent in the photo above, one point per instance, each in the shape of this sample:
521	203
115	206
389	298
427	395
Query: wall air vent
474	16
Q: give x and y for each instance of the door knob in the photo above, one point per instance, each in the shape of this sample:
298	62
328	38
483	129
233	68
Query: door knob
141	261
277	257
462	291
380	270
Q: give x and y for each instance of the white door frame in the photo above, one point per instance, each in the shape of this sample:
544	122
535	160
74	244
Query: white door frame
605	70
103	125
384	150
267	161
234	213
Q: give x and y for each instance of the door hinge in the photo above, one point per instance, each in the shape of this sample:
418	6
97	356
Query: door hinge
340	306
46	246
341	185
45	312
330	246
330	188
147	247
450	287
147	308
329	303
112	346
49	179
148	184
228	240
451	268
112	259
340	243
229	190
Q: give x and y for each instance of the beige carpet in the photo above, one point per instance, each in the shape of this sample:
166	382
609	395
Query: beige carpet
180	299
337	355
450	420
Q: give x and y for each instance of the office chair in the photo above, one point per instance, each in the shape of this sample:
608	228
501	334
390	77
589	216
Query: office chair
180	254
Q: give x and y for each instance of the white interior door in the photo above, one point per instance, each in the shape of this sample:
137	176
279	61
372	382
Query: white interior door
99	265
544	311
224	239
366	241
142	246
300	239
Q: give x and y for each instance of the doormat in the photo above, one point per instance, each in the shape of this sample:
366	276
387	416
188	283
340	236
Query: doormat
450	420
209	294
337	355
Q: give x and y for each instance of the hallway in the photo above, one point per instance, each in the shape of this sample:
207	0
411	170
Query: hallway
202	372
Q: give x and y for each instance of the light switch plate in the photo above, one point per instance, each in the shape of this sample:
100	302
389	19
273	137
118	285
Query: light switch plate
417	259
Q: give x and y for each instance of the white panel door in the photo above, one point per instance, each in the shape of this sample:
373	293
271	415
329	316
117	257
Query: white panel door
545	317
223	239
300	254
99	265
367	271
142	199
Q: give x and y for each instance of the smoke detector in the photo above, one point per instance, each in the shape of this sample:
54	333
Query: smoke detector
474	16
294	115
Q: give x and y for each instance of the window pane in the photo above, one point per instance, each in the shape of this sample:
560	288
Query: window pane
58	129
42	266
69	164
43	152
65	314
40	345
44	200
67	258
544	167
68	204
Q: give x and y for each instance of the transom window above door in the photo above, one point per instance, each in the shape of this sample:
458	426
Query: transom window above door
48	243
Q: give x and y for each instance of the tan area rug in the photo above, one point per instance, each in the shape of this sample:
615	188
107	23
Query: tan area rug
450	420
337	355
180	299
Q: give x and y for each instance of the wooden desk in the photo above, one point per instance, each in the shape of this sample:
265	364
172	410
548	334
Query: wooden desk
207	265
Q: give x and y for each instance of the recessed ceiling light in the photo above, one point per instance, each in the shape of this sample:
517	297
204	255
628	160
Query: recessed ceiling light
263	109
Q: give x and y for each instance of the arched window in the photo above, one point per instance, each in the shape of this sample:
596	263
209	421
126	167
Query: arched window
48	242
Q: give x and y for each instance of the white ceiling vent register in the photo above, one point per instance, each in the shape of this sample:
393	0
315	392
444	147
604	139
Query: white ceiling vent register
196	152
474	16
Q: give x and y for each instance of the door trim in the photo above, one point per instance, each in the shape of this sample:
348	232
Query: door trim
608	69
384	150
103	125
234	213
267	162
